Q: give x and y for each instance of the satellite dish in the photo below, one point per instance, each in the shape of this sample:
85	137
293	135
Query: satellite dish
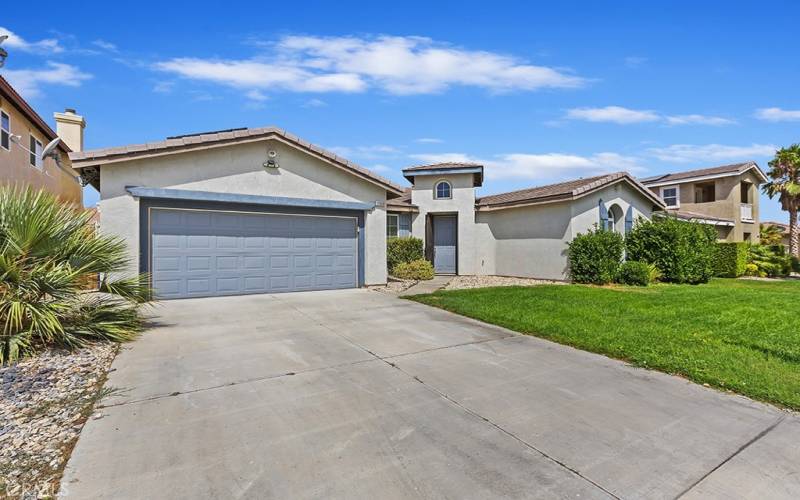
51	146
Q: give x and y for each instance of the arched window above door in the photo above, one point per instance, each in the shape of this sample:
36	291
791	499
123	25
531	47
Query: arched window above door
442	190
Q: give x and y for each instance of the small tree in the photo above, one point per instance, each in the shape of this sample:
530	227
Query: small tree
770	234
784	174
49	251
595	257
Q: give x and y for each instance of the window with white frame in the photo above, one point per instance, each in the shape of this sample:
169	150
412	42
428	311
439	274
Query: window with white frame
392	225
35	153
443	190
5	131
671	195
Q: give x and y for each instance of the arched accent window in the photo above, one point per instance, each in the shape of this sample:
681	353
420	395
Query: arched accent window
442	190
616	219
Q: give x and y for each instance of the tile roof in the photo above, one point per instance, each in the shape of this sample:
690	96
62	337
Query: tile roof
177	144
442	166
562	191
784	227
404	199
8	92
685	215
734	168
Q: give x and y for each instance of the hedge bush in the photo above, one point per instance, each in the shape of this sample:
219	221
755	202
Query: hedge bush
683	251
400	250
795	264
769	260
634	273
730	259
419	269
595	257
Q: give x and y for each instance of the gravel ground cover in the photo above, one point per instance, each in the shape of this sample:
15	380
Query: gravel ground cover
394	286
44	403
465	282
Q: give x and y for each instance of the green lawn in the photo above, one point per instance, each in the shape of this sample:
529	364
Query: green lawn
733	334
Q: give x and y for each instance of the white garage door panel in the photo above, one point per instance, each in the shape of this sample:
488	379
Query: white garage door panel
207	253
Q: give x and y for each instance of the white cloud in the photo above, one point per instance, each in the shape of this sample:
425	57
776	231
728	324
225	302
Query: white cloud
251	74
541	167
44	46
108	46
256	95
710	153
398	65
163	87
315	103
698	120
28	82
429	140
612	114
627	116
778	114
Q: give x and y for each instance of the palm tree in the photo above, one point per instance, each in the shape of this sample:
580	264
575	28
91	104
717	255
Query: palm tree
784	174
770	234
49	252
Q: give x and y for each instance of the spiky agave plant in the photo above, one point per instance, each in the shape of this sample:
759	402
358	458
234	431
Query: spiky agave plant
49	251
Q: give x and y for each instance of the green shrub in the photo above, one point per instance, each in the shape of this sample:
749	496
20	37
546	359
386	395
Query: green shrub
48	252
402	249
752	270
595	257
683	251
795	264
770	260
634	273
730	259
419	269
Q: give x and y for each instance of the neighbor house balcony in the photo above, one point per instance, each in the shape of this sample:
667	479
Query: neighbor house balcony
746	212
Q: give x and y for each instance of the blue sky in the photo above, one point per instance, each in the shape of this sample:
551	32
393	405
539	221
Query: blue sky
539	93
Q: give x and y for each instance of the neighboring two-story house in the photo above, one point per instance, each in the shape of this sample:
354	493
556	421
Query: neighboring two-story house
725	197
24	135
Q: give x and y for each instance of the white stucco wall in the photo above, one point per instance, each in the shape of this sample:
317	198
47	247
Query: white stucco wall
586	210
238	169
462	203
532	241
529	241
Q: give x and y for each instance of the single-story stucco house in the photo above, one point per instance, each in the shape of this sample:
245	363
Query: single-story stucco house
261	210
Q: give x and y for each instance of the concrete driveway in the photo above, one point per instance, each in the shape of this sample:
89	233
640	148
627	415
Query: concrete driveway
356	394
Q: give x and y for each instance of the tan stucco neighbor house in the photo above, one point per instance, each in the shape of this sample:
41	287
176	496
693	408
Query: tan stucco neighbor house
261	210
725	197
23	136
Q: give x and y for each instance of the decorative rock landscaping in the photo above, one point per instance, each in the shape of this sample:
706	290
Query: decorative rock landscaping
394	286
44	403
464	282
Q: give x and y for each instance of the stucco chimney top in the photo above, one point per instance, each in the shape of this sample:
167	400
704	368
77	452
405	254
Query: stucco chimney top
69	127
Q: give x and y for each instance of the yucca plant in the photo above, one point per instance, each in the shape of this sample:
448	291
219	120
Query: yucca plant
49	251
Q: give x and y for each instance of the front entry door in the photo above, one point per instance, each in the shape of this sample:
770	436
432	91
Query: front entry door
445	238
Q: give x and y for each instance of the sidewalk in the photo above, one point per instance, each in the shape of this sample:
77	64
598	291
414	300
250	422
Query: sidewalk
429	286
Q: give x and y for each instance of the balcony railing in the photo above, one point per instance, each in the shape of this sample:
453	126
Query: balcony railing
747	212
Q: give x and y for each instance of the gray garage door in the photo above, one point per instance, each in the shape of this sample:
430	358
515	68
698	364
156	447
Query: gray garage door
206	253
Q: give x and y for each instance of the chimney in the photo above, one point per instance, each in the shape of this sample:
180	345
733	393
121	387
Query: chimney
69	126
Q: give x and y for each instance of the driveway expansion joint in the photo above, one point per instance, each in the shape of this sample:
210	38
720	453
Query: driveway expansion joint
739	450
461	406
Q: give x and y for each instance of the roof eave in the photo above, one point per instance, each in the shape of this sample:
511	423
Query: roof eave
124	156
574	195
